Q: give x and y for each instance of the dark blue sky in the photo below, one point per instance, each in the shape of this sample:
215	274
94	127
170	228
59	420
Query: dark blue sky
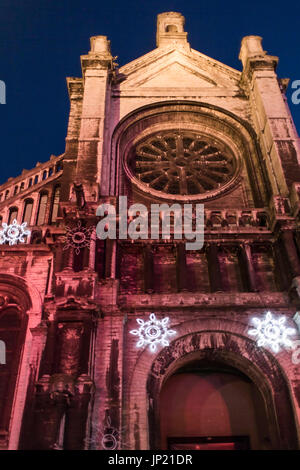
41	41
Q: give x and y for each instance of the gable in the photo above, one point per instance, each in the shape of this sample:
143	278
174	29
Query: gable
177	75
177	69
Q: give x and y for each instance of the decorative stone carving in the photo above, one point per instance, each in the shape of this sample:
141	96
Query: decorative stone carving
182	163
78	237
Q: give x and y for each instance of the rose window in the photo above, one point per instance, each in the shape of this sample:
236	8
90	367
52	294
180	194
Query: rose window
182	163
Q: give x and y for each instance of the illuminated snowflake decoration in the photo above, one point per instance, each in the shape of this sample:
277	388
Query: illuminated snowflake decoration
78	237
13	233
272	332
107	436
153	332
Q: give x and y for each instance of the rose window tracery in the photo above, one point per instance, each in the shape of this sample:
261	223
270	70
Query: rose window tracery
182	163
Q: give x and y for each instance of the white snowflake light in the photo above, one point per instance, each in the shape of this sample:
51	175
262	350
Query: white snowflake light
107	436
153	332
13	233
272	332
110	437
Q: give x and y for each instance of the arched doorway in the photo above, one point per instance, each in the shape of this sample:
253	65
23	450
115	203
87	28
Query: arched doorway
13	323
207	405
239	356
17	302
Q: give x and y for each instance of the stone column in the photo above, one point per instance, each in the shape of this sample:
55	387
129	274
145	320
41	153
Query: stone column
109	357
58	258
96	67
70	258
148	269
291	252
110	258
247	264
281	266
49	206
181	270
85	347
24	439
49	408
77	415
86	257
75	89
48	359
214	268
92	251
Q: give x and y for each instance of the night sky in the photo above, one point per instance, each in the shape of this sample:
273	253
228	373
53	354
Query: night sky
41	41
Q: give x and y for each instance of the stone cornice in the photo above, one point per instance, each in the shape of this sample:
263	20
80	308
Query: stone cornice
189	300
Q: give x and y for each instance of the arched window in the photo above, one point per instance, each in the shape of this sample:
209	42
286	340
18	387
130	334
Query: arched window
36	179
171	28
13	214
30	183
58	167
55	204
50	172
6	194
44	174
12	333
22	186
42	209
28	206
36	237
16	190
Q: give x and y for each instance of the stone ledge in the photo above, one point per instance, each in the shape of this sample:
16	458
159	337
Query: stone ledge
25	247
216	300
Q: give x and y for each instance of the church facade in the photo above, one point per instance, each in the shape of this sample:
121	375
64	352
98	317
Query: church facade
143	344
